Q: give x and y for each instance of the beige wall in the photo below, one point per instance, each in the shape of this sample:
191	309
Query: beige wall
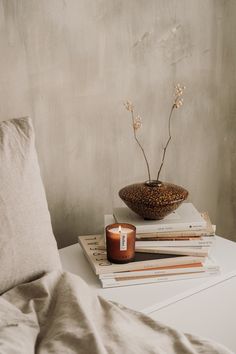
71	63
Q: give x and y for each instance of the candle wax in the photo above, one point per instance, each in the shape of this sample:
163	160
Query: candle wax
123	230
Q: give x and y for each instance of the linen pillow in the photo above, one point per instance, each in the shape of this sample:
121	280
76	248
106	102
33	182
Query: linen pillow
27	245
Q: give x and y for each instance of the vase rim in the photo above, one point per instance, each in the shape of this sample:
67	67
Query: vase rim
153	183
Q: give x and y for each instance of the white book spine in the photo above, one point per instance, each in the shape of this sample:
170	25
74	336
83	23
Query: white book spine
108	283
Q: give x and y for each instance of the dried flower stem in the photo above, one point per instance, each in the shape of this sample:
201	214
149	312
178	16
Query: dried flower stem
167	143
136	123
139	144
178	102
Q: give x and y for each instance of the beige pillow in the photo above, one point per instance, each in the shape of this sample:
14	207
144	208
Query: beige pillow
27	245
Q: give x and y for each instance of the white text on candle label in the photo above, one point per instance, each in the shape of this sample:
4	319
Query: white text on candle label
123	241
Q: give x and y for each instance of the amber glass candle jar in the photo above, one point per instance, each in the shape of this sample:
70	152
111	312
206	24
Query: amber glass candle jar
120	241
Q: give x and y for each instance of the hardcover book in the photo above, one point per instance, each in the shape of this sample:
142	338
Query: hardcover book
185	218
98	258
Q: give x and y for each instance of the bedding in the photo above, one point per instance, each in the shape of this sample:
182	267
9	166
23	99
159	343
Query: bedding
27	245
59	313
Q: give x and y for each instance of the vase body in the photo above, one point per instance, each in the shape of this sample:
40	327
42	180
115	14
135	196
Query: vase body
153	200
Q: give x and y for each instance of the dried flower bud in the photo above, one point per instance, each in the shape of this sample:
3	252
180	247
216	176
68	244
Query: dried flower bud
179	90
178	103
137	123
129	106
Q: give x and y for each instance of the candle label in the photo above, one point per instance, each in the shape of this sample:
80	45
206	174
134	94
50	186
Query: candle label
123	241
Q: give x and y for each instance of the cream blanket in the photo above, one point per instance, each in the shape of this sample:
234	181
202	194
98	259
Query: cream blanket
59	314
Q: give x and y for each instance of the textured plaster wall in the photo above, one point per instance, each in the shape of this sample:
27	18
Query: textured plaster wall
70	64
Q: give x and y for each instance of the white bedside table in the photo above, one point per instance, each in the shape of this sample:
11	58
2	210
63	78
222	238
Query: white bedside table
204	306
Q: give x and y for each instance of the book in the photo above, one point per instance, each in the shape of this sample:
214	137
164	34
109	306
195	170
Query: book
205	241
118	282
185	218
208	231
194	251
144	247
155	247
207	265
99	263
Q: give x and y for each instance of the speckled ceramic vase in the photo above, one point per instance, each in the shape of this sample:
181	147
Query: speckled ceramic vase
153	200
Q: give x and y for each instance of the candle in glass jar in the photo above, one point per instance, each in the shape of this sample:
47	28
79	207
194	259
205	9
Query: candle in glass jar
120	241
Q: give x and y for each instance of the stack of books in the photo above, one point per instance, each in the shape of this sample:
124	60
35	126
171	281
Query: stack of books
176	247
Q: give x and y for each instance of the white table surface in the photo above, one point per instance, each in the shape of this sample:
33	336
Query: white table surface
204	306
210	313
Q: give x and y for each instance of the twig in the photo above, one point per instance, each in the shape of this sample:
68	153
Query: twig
136	123
167	143
139	144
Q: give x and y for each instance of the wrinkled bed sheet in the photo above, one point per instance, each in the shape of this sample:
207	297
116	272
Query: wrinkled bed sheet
59	314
